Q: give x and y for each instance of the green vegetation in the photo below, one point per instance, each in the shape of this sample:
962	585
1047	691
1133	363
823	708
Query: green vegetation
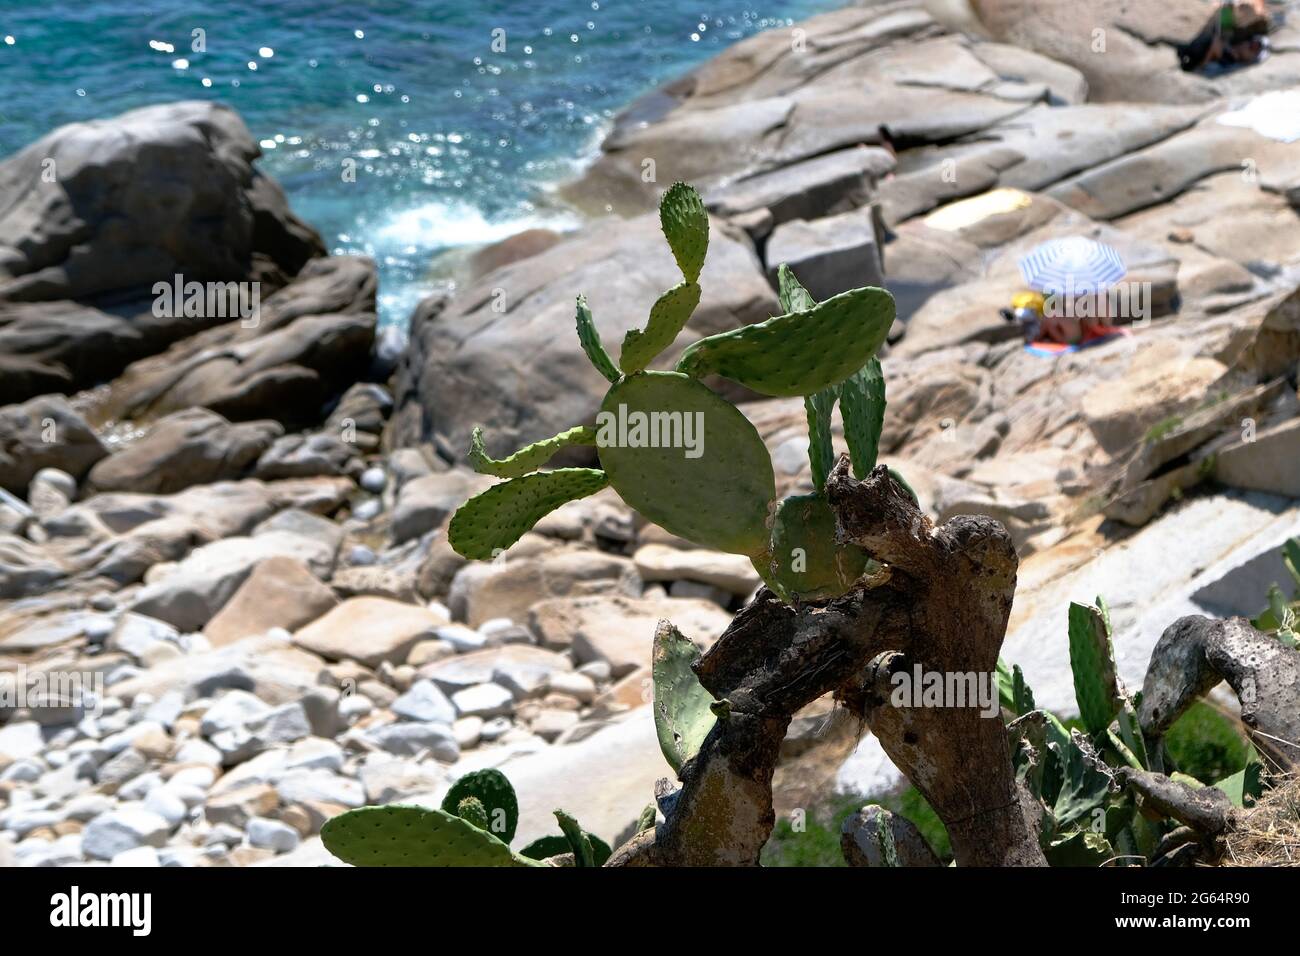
817	841
721	493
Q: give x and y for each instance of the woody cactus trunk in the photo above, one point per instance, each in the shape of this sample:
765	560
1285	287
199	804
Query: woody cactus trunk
859	584
942	600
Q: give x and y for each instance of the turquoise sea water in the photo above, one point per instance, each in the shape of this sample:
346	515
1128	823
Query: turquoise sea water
454	141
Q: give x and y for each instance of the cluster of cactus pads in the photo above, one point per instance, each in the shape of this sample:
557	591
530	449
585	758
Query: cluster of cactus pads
473	827
1089	815
724	498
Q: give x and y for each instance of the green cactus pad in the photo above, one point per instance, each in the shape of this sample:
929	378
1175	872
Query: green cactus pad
668	317
490	522
493	790
686	227
413	836
821	451
1083	788
527	459
806	562
544	847
799	353
862	406
681	705
591	344
820	405
1093	662
794	297
1080	848
548	846
647	819
719	499
584	854
1014	694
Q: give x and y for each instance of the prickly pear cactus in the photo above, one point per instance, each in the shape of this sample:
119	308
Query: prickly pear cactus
686	227
681	706
490	523
687	459
862	404
570	841
798	353
414	836
1092	659
494	793
667	318
718	499
526	459
805	560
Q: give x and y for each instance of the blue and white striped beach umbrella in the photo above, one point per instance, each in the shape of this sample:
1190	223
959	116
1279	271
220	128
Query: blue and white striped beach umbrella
1073	266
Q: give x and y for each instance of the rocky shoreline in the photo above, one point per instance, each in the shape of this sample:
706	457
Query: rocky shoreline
232	526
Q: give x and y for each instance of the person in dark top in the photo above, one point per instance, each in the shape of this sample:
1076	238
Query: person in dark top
1235	35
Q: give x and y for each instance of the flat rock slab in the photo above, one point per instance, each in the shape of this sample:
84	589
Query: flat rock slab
624	757
281	592
272	669
370	630
620	630
480	667
1149	580
814	188
732	572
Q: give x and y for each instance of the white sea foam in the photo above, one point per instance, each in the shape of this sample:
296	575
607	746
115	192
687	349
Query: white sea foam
441	225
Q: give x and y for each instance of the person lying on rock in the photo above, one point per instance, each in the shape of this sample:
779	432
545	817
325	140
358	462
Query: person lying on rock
1237	34
1054	322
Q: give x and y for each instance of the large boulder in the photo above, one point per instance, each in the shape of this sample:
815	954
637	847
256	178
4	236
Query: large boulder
860	75
281	592
1125	50
115	204
312	340
505	352
45	432
1270	462
194	447
830	255
192	593
96	213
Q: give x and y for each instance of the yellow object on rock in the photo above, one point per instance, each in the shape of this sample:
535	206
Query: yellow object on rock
967	212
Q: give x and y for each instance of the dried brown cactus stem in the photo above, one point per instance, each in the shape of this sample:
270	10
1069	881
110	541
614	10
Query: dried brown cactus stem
772	661
953	586
1195	653
944	604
